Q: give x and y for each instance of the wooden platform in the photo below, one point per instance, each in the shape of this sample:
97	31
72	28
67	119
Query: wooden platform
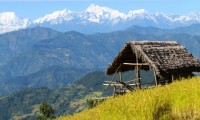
117	84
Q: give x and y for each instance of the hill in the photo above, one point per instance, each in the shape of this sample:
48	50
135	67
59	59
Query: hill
179	100
52	77
18	42
24	104
191	30
72	49
31	51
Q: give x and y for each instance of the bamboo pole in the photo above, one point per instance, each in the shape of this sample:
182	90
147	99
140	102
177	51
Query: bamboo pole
136	64
139	79
137	72
156	83
114	92
120	76
113	77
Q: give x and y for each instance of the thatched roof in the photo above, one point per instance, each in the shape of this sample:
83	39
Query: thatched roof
165	57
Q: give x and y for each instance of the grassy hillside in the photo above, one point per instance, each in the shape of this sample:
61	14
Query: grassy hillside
179	100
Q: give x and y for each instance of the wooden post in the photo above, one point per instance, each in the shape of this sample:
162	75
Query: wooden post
156	83
113	76
137	72
114	92
138	78
120	76
172	78
120	79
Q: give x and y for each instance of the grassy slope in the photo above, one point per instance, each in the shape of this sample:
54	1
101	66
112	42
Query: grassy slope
179	100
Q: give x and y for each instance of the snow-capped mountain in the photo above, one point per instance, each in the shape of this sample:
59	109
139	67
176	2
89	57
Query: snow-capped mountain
97	19
56	18
9	22
99	14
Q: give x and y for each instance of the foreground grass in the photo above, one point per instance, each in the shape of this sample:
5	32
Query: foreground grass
177	101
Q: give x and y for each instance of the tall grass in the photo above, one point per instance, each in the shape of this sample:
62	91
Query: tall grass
177	101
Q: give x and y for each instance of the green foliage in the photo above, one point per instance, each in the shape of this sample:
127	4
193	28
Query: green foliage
68	100
94	102
47	111
90	103
177	101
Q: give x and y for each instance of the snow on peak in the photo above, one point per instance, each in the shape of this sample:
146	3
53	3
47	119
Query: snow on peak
97	13
9	21
134	13
56	17
92	7
98	10
105	15
195	16
191	18
9	18
95	9
140	11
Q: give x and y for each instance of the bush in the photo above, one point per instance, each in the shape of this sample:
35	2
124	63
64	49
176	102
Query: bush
47	112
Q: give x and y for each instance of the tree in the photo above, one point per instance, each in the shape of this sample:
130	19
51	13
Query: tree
47	112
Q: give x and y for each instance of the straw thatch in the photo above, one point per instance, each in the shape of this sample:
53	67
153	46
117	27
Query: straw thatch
165	57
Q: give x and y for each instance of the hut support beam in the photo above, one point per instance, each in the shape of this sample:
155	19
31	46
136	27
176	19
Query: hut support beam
156	83
136	64
120	79
113	76
114	92
137	72
120	76
138	78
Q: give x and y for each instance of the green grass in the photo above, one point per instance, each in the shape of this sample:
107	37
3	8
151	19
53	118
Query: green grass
177	101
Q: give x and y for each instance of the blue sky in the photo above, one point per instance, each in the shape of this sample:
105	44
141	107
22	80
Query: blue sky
35	8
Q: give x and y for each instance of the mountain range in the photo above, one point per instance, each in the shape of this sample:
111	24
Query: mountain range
42	57
96	19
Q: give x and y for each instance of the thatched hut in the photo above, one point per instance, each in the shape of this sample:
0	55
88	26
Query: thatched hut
168	59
